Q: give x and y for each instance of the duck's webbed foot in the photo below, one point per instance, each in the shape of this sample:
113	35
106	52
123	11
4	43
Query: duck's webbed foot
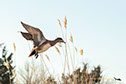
36	54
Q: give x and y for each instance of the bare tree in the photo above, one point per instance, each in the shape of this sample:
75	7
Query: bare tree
32	73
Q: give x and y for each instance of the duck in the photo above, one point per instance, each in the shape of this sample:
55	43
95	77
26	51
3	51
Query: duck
118	79
41	44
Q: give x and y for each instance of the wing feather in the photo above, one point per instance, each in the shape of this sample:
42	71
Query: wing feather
27	36
35	32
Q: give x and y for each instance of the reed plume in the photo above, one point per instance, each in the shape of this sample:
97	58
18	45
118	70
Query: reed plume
57	50
81	52
7	64
32	69
59	23
65	22
47	57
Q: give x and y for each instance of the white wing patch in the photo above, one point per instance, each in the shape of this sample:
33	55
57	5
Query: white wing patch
41	42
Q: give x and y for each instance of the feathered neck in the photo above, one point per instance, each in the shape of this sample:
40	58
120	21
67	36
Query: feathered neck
53	42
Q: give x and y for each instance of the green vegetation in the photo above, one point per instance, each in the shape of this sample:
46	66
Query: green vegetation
6	68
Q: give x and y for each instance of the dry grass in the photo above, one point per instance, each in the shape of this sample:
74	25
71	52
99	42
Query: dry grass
14	46
47	57
65	22
57	49
8	67
13	73
71	38
7	64
81	52
75	49
59	23
32	69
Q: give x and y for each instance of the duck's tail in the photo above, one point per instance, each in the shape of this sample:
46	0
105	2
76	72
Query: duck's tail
33	52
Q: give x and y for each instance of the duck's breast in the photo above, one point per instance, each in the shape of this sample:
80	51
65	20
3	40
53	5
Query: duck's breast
44	47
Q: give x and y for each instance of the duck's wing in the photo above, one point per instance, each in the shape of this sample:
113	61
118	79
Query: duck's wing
37	34
27	36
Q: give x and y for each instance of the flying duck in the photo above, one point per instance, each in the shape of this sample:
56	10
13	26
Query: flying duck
41	44
118	79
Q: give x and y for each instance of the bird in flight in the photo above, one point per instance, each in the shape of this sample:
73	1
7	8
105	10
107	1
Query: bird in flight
118	79
41	44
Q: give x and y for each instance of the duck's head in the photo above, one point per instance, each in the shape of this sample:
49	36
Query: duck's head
59	40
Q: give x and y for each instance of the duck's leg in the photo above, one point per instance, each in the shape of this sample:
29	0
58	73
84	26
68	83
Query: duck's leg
36	54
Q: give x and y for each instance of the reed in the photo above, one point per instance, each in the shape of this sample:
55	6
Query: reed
57	50
81	52
7	64
47	57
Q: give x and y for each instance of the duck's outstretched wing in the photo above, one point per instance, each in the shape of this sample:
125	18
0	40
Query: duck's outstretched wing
27	36
36	33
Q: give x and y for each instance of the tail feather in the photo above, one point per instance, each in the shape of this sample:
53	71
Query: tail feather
32	52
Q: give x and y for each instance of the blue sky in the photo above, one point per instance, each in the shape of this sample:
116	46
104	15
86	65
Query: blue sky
98	27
